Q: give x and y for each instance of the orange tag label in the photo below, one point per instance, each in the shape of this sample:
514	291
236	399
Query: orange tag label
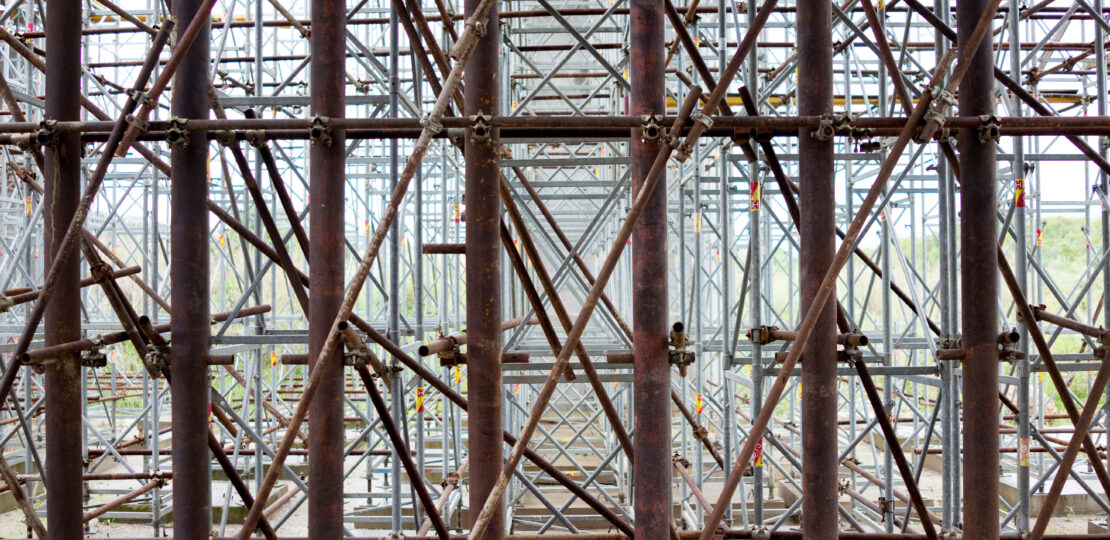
700	403
1039	238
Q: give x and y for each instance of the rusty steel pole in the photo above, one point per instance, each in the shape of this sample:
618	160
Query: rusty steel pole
651	478
326	173
979	277
817	200
483	276
190	325
63	322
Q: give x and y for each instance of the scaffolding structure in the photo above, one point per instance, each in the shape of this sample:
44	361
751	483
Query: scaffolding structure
748	269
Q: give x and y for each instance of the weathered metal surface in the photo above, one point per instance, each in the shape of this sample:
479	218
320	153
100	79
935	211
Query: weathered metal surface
326	282
483	274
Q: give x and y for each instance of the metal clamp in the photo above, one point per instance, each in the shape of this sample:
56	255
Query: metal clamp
430	124
156	359
481	130
826	129
761	335
140	125
225	137
6	303
94	357
356	358
451	357
140	97
761	533
886	506
679	353
256	137
178	133
451	480
935	116
651	129
46	135
702	118
989	128
319	130
477	26
943	97
701	433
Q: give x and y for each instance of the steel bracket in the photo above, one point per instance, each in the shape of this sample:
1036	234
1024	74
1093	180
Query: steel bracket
651	129
826	129
178	133
320	130
989	128
481	129
46	135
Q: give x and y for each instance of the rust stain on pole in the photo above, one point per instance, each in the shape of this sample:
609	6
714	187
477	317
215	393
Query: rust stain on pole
327	164
63	322
979	278
651	372
483	275
817	201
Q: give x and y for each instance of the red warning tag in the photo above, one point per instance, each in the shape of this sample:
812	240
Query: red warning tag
754	206
419	399
1019	193
757	456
